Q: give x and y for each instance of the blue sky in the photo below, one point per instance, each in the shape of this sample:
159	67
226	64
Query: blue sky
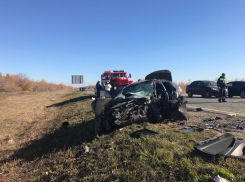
53	40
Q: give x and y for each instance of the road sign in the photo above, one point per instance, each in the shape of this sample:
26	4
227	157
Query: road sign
77	79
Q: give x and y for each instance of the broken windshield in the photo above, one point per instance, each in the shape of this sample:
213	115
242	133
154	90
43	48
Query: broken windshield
135	91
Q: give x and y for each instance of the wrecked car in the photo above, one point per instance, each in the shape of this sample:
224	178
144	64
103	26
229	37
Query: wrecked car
152	100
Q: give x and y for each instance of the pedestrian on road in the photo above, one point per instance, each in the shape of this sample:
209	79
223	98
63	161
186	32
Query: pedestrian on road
98	88
221	82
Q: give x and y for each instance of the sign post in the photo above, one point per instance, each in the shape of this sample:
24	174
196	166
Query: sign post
76	79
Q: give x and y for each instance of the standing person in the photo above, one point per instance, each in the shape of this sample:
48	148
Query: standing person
98	88
221	82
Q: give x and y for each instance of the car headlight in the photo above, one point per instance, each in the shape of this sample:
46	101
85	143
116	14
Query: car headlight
214	88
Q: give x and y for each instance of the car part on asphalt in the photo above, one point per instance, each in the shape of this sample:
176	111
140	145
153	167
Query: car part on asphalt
226	145
143	133
199	109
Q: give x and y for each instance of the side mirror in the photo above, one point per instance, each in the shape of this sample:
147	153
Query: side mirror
129	75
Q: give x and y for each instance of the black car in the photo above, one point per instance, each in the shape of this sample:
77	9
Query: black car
82	88
236	88
204	88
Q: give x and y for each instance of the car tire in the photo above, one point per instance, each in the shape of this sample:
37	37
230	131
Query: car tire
230	96
189	94
242	95
207	94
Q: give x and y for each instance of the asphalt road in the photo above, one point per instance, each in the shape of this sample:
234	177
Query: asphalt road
234	105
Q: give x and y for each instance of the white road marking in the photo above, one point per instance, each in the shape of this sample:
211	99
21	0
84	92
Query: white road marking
225	112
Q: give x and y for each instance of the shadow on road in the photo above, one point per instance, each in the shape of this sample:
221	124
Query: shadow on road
62	138
70	101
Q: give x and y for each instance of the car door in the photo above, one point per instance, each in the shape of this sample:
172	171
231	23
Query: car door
236	88
200	88
230	88
193	87
239	88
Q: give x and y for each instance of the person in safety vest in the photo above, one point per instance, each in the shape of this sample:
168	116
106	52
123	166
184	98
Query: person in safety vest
221	82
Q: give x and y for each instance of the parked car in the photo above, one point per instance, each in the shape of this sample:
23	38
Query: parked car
82	88
236	88
204	88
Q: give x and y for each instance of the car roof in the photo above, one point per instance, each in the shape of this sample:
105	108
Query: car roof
237	81
203	81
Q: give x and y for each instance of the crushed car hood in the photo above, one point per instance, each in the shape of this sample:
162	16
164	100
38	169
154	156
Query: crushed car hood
161	74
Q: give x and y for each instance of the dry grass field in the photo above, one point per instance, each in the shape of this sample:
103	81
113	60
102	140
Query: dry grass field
43	150
24	117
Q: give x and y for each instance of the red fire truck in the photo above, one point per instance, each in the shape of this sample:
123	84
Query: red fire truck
116	78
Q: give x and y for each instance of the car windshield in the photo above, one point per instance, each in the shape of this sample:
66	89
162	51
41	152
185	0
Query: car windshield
210	84
141	90
119	75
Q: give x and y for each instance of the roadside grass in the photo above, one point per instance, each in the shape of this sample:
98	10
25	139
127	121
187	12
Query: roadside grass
59	154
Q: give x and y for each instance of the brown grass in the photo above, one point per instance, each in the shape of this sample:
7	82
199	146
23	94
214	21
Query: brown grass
24	117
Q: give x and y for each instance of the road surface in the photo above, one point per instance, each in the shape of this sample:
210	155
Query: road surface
233	105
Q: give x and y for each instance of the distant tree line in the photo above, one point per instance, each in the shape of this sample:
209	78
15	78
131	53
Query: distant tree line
20	82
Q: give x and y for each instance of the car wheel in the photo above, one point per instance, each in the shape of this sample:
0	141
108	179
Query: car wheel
230	96
242	94
207	94
189	94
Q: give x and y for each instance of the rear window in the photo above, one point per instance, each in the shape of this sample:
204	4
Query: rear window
194	84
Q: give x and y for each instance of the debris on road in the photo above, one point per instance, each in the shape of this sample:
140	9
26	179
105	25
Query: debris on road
231	115
199	109
226	145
